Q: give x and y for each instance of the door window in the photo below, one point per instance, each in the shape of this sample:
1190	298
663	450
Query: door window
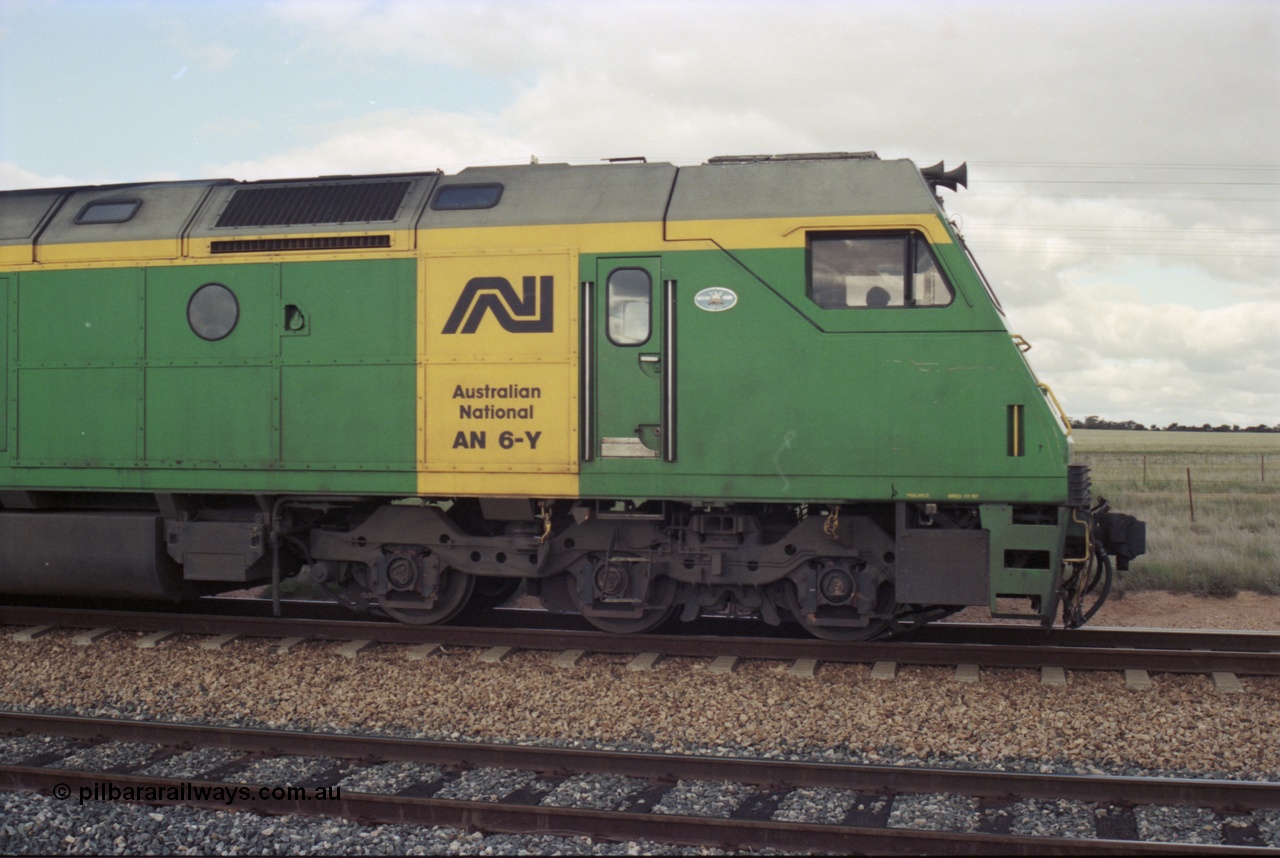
630	294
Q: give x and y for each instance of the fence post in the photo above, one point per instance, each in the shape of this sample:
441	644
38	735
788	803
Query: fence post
1191	502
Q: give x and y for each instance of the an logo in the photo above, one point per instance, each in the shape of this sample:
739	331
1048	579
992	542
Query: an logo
531	314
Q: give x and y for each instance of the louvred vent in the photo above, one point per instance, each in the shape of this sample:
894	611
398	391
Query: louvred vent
275	245
295	205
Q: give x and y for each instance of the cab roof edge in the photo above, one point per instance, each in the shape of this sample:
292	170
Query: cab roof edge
797	156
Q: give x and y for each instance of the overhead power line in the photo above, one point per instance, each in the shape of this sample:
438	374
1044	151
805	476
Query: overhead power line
1086	165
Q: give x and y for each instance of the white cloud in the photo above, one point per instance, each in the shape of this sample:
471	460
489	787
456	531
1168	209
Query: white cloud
391	142
14	177
1154	300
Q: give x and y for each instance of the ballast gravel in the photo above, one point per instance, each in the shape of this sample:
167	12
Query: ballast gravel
1178	824
192	764
1053	818
486	785
286	770
111	756
32	824
1182	727
390	778
18	750
703	798
823	805
597	792
935	812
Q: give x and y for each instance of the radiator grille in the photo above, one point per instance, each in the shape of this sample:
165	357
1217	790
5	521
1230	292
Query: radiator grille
294	205
328	242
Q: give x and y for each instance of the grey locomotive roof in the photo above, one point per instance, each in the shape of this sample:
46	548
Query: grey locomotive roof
22	213
165	211
799	188
558	193
734	187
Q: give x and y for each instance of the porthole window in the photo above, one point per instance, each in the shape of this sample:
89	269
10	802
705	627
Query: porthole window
456	197
213	312
108	211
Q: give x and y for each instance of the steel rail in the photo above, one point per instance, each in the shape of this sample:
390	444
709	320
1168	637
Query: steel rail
534	619
1197	792
991	655
937	632
1100	636
497	817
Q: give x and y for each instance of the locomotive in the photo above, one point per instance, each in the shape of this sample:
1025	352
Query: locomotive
772	385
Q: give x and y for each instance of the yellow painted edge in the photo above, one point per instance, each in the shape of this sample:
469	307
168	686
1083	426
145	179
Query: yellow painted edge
19	254
752	233
619	238
471	484
420	409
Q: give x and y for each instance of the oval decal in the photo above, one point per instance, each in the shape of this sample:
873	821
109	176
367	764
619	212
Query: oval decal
714	299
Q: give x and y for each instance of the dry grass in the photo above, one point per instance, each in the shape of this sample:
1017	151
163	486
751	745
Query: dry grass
1233	542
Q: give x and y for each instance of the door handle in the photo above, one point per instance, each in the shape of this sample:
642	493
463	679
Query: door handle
651	365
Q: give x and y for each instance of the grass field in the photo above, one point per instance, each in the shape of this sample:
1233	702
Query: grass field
1233	541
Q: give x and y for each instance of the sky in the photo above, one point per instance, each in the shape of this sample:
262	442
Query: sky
1124	157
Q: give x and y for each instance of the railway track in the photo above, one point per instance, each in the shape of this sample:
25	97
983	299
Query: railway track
755	821
1182	651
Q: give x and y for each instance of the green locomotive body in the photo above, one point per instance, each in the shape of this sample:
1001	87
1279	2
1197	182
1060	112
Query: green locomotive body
772	384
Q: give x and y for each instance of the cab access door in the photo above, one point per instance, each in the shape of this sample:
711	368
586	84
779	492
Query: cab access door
630	332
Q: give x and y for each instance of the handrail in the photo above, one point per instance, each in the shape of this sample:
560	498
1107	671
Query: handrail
1062	415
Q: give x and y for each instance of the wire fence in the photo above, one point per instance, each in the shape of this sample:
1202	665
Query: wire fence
1162	471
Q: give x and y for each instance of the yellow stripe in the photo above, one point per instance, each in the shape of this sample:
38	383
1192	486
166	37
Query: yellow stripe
166	252
791	232
15	256
121	252
624	238
621	238
436	485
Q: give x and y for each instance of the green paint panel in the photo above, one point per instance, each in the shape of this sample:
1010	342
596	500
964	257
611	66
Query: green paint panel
1009	541
169	336
777	398
349	310
348	384
82	416
312	387
210	414
69	317
4	364
349	414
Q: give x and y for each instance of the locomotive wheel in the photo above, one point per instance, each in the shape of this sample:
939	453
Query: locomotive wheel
819	629
455	589
661	607
490	592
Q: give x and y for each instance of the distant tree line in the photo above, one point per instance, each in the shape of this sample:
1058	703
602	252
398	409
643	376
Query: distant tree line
1095	422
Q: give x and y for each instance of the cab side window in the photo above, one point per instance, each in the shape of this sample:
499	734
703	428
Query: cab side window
875	271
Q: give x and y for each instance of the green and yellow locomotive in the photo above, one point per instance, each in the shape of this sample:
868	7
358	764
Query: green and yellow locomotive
773	385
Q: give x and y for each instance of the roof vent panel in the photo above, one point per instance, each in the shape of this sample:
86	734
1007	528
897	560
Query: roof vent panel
305	205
